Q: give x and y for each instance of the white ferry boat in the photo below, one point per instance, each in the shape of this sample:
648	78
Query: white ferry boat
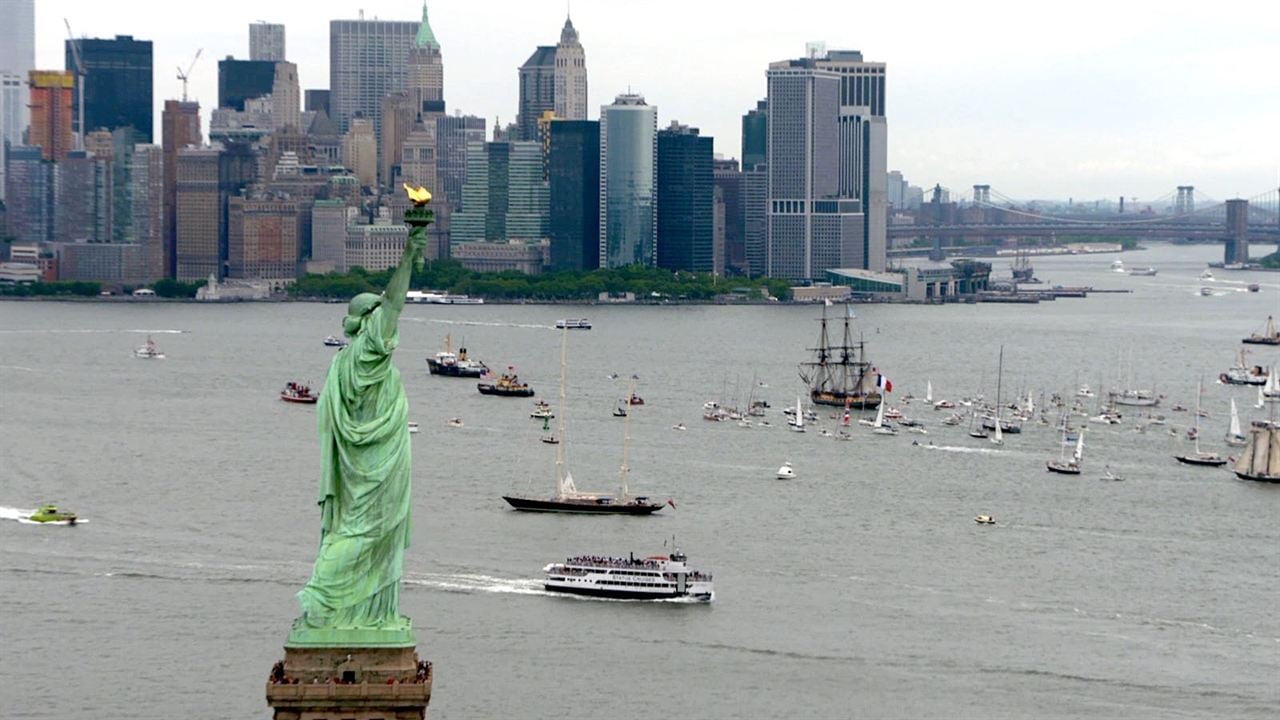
573	324
661	577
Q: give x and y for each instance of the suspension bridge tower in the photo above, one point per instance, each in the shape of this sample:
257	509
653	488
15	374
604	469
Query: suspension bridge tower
1237	249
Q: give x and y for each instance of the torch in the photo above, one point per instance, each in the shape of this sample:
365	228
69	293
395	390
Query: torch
418	217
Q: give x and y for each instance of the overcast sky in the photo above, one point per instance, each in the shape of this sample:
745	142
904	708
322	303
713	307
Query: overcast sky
1093	99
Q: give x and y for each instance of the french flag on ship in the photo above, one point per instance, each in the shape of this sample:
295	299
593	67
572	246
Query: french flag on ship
884	383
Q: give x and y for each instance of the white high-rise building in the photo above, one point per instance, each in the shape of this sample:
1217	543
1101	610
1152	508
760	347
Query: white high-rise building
368	60
628	183
570	75
17	59
266	41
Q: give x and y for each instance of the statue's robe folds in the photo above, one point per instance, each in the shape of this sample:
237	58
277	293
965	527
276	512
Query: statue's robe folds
364	486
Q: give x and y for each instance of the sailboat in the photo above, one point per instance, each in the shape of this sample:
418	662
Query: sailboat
567	498
879	427
1271	389
1062	465
1269	336
840	374
928	393
797	423
998	438
1200	458
1234	437
1260	459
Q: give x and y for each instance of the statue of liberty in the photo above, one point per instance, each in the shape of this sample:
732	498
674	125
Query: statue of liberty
353	596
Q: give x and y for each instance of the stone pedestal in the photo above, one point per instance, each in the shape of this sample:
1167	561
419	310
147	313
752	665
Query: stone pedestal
352	683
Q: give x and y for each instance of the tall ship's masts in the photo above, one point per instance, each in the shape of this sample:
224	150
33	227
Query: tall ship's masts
840	375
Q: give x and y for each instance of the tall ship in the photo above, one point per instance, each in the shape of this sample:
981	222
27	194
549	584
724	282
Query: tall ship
1022	270
1260	459
840	375
659	577
449	364
1269	335
566	497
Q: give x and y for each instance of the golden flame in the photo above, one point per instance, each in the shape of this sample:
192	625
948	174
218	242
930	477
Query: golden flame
419	195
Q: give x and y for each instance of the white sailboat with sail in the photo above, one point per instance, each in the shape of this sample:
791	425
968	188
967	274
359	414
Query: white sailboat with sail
879	427
1063	465
1234	437
1203	459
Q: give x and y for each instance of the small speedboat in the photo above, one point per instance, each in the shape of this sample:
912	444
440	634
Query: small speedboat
1206	292
1206	275
620	412
786	472
679	426
1110	476
49	513
985	520
824	433
148	351
413	427
455	422
635	400
295	392
550	439
335	341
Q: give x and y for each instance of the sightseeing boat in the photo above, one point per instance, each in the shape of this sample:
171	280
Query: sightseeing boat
335	341
448	364
566	498
1260	459
508	385
298	393
840	375
1269	335
573	324
659	577
148	351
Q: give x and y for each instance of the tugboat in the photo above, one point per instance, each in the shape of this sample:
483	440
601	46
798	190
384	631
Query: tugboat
298	393
450	365
839	375
659	577
1269	336
148	351
508	385
335	341
1242	374
50	513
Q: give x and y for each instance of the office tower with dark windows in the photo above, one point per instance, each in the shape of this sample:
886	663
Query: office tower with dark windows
29	195
628	182
266	41
146	212
755	135
181	128
316	100
728	179
505	197
454	133
207	179
686	195
574	177
117	83
368	59
241	80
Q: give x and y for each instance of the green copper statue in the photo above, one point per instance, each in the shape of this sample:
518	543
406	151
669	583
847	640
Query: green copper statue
353	596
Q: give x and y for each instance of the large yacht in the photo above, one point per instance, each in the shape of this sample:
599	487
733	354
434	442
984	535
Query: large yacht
661	577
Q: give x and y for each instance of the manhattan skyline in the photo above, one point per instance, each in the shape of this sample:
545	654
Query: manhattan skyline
1091	102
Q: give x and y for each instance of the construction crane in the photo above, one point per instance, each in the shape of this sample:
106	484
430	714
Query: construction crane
80	74
184	75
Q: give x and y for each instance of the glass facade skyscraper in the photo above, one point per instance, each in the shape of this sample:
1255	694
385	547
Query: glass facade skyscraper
240	80
117	83
574	172
686	191
628	182
368	59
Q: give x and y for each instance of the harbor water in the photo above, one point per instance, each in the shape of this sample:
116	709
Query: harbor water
863	588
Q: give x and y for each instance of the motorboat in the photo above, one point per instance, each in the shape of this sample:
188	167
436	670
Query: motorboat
455	422
635	400
1243	374
413	427
508	385
148	351
1117	266
985	520
1206	292
551	439
953	419
1085	392
786	472
295	392
49	513
679	426
335	341
1207	274
658	577
1143	272
1108	475
620	412
573	324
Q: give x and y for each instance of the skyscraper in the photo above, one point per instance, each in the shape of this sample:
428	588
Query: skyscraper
807	224
367	60
241	80
628	175
266	41
207	179
146	196
13	115
286	98
863	150
755	135
17	60
117	83
505	197
574	176
425	81
29	195
537	91
570	75
181	128
82	198
686	193
553	79
728	179
51	113
360	151
453	134
264	235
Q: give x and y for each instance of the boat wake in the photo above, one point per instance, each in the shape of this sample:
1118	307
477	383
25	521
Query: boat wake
18	367
8	513
959	449
476	323
92	331
471	583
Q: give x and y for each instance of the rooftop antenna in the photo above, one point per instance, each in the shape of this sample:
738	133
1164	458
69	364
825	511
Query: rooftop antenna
80	76
184	75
